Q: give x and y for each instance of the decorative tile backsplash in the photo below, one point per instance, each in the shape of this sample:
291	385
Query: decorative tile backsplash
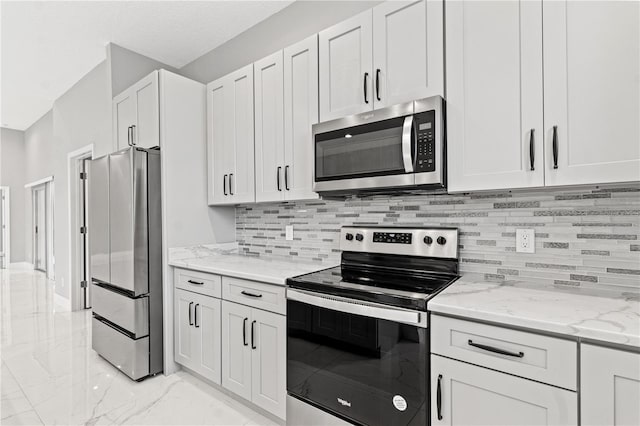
585	237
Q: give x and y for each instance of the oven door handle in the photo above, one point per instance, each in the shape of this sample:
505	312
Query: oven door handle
407	154
357	307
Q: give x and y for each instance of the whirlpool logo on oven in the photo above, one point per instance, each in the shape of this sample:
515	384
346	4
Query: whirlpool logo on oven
344	402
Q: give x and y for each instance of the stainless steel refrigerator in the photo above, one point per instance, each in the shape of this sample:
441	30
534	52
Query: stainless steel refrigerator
125	240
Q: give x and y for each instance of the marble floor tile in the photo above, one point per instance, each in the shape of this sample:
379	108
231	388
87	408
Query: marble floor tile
50	375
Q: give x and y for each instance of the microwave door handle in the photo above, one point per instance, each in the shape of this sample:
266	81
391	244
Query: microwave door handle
407	154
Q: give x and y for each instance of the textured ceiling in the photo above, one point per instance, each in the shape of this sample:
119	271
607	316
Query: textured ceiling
47	46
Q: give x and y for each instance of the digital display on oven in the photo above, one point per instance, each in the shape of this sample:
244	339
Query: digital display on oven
392	237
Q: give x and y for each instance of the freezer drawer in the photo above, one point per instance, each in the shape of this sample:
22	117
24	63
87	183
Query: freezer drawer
129	355
126	312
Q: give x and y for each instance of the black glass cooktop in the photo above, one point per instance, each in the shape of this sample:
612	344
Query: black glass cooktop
409	289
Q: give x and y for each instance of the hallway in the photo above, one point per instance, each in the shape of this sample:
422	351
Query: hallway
50	374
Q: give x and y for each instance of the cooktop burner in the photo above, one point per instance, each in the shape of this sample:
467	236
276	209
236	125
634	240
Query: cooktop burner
402	267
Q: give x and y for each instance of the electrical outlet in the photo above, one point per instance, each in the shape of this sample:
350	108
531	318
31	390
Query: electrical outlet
288	232
525	241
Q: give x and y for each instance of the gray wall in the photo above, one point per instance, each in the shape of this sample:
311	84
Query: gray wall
12	174
291	25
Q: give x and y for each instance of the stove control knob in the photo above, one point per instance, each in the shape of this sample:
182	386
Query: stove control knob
441	240
349	237
428	240
359	237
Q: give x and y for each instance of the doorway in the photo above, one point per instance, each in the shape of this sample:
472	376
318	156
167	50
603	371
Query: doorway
5	228
83	207
40	255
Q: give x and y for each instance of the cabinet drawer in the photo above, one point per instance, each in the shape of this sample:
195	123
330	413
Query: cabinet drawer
199	282
252	293
533	356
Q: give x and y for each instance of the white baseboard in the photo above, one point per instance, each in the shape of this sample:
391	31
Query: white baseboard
21	265
62	301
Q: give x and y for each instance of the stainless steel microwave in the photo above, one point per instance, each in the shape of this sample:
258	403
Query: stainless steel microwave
399	147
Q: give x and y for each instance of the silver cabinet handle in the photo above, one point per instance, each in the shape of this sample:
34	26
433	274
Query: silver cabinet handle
133	135
407	157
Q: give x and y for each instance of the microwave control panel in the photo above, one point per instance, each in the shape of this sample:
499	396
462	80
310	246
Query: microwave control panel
425	126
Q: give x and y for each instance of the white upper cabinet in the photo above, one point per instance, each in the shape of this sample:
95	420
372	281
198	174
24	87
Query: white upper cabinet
269	128
407	51
136	115
390	54
345	68
286	106
610	386
300	113
230	138
592	91
494	95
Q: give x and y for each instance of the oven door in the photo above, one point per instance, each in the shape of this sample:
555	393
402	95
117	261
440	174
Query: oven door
370	150
362	362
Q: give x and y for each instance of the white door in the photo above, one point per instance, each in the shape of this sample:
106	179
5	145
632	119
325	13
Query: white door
239	139
269	128
219	160
494	95
124	117
208	331
185	345
345	68
40	228
408	60
269	361
609	386
592	91
236	349
300	113
471	395
146	130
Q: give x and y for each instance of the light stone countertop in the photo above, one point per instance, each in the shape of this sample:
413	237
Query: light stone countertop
225	260
606	316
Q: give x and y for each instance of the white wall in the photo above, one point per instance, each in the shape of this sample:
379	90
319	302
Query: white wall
12	174
291	25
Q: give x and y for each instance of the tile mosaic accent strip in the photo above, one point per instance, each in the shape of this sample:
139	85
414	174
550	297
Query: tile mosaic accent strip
584	237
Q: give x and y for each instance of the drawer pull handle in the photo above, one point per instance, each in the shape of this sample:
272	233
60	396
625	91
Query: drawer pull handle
190	320
246	293
439	397
195	282
495	350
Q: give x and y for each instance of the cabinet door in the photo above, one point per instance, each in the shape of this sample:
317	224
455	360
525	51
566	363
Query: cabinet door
269	128
610	386
345	68
239	138
472	395
219	159
208	330
146	133
591	87
236	349
494	95
185	345
408	60
124	117
269	361
300	113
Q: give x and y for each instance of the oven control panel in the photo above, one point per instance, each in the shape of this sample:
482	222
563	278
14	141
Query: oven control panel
425	242
425	123
392	237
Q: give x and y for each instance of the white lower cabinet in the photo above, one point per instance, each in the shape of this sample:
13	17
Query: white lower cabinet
465	394
610	386
253	356
197	333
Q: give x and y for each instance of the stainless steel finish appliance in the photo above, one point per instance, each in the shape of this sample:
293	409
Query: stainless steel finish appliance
358	334
125	230
402	146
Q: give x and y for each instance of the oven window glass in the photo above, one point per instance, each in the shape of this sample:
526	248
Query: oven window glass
369	370
369	150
